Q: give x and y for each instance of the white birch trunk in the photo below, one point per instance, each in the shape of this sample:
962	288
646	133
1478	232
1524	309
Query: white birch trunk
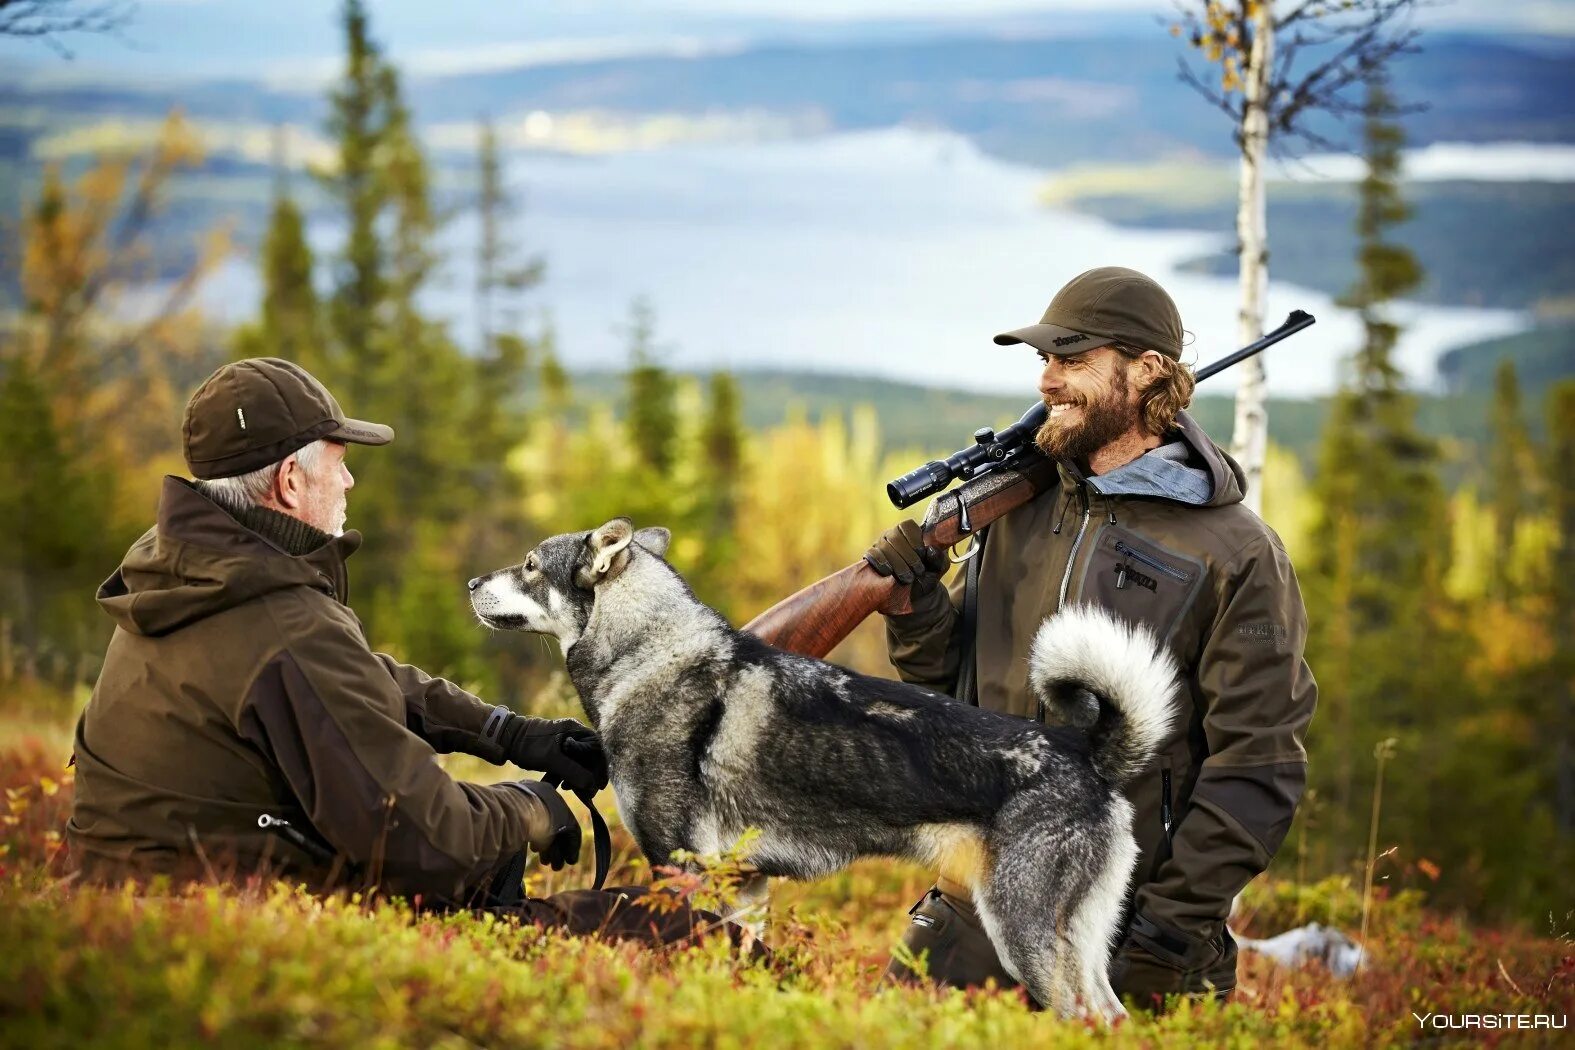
1250	438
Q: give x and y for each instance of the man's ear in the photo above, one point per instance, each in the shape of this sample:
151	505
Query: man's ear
289	485
1148	367
609	546
654	540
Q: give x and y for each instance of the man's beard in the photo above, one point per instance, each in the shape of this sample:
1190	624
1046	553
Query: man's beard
328	519
1102	422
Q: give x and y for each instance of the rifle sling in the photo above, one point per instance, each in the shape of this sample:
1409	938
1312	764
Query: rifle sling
967	670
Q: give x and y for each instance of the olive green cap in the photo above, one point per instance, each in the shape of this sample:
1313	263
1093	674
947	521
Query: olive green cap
255	412
1110	304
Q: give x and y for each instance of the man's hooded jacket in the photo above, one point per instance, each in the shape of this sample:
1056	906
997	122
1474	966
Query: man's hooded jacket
1165	541
239	684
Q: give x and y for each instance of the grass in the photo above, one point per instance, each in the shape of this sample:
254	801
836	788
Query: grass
267	965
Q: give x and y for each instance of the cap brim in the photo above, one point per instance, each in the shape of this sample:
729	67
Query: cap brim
361	433
1053	339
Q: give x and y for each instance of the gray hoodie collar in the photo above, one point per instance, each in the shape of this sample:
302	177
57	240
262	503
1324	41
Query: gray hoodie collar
1161	472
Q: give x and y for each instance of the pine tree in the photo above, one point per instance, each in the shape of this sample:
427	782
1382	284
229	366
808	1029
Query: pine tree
653	410
1378	553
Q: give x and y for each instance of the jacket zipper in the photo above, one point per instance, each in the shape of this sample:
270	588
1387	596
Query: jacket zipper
1164	801
1066	578
1153	563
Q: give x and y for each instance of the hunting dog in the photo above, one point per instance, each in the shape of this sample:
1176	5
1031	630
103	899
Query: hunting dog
709	732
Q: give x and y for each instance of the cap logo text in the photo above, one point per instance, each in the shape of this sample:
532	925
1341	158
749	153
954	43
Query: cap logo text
240	414
1067	340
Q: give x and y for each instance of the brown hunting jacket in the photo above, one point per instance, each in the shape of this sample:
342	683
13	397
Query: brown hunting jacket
1166	541
238	683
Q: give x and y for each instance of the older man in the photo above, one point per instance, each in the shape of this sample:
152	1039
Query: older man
239	685
1147	521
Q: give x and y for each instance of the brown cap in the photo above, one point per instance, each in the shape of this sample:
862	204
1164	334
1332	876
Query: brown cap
256	412
1110	304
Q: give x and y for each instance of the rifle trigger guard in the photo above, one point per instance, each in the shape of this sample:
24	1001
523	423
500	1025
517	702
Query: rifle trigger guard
965	527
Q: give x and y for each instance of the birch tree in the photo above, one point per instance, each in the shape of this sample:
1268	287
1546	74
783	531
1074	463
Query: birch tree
1286	74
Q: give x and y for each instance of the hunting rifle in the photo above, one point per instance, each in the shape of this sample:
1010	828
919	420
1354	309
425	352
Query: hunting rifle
1000	473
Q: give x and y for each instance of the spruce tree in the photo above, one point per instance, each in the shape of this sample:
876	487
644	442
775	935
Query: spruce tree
291	322
358	123
504	356
1561	493
1509	462
723	432
556	387
653	392
502	271
1377	561
416	500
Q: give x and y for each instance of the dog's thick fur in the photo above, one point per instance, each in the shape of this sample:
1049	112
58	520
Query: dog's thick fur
709	731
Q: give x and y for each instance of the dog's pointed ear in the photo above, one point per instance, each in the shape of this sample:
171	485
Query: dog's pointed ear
609	546
654	540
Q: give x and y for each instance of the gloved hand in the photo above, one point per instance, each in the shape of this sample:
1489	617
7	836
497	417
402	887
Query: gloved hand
900	552
557	838
1154	962
562	748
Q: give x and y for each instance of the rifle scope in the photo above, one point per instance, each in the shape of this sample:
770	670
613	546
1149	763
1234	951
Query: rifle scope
990	450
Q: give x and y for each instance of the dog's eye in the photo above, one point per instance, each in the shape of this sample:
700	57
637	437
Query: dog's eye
530	563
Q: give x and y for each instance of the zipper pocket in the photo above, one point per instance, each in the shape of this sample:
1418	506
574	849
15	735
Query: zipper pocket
1152	562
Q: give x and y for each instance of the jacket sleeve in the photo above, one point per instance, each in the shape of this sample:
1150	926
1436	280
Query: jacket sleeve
330	717
924	645
444	715
1257	698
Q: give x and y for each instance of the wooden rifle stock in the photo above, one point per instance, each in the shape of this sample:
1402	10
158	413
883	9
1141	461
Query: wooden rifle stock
815	620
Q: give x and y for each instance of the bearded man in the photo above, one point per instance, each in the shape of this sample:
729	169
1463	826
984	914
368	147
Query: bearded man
1146	520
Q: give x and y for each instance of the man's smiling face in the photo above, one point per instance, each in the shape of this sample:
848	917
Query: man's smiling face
1090	399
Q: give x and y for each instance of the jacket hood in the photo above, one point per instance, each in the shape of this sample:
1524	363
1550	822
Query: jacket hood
1188	468
198	561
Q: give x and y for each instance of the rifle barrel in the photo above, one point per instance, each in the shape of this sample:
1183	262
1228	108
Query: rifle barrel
1294	323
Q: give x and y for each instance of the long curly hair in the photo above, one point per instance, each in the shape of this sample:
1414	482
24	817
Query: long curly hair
1169	393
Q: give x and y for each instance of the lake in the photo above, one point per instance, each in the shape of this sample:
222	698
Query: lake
892	253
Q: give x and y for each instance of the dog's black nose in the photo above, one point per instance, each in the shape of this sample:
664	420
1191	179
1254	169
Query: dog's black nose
474	583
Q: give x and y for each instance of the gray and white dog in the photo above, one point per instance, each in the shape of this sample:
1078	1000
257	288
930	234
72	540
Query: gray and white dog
709	732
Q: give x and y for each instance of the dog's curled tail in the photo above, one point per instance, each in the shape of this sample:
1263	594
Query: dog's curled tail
1085	651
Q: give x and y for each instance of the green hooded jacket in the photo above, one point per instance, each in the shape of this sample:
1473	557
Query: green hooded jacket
1166	541
239	684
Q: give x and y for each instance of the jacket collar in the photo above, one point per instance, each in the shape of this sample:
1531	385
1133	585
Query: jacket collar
1188	467
188	515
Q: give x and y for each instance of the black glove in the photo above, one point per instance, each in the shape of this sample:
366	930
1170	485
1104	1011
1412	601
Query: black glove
900	552
562	748
558	841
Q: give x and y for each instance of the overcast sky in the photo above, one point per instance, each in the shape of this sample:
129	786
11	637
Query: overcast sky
287	38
